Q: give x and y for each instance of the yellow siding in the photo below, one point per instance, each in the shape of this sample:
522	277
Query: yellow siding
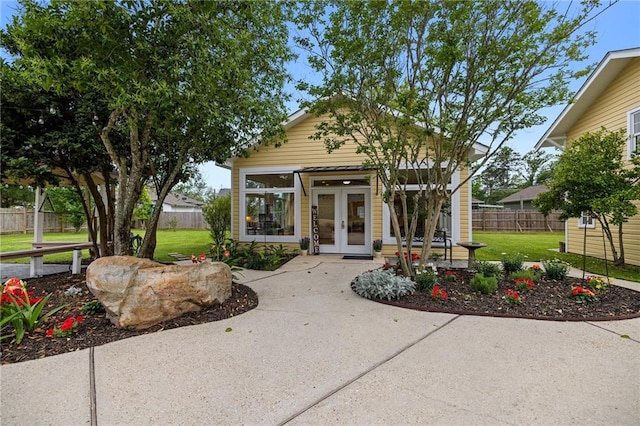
299	151
609	110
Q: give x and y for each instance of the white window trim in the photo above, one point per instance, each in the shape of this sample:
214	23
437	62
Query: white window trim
582	224
455	213
631	145
244	237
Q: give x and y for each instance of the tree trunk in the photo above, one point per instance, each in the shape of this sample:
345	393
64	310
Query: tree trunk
607	231
149	241
131	176
433	206
406	270
621	245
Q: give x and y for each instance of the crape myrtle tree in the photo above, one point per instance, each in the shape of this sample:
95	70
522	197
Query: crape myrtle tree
416	85
592	178
184	82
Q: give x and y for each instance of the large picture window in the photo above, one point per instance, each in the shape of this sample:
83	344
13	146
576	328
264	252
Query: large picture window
268	205
444	221
448	221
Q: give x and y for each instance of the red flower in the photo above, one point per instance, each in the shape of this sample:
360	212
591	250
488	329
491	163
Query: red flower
12	284
226	253
202	257
67	324
50	332
447	272
414	256
535	267
438	293
79	319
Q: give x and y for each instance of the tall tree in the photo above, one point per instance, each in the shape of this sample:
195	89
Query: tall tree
416	85
12	194
195	187
184	81
536	167
502	171
592	178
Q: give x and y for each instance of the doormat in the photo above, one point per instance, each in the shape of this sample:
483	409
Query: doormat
357	257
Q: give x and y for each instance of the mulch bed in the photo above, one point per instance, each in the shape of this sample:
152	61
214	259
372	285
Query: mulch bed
96	329
548	300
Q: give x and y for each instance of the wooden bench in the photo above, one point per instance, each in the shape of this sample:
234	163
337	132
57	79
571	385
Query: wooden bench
42	248
440	241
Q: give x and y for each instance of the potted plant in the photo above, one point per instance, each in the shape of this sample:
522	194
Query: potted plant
304	245
377	248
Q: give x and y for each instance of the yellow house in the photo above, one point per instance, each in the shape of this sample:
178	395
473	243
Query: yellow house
282	194
611	98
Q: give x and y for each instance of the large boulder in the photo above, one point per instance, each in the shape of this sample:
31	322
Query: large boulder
138	293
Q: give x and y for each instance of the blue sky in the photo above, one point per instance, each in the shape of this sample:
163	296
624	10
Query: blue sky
617	28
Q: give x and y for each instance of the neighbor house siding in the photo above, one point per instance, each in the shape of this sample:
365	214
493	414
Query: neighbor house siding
609	110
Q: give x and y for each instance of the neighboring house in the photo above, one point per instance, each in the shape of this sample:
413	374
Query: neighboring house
276	189
609	98
522	199
178	203
223	192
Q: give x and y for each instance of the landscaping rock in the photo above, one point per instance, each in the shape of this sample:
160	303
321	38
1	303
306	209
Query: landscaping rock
139	293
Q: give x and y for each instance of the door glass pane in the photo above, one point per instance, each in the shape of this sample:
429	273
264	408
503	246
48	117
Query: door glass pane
326	218
356	219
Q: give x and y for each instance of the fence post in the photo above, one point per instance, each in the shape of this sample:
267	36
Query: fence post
76	266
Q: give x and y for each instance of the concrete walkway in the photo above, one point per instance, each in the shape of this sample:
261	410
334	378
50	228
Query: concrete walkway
313	352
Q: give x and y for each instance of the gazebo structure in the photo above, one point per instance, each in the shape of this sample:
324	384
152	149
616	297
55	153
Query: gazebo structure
41	247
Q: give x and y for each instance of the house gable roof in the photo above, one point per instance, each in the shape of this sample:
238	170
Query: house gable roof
526	194
606	71
177	200
479	150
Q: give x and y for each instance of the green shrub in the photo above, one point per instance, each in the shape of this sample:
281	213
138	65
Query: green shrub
254	256
525	273
512	263
217	213
425	280
555	269
382	284
484	284
92	308
488	269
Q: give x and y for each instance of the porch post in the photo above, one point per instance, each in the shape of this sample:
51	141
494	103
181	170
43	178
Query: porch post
38	230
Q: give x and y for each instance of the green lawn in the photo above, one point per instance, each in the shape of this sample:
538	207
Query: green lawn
184	241
538	246
535	246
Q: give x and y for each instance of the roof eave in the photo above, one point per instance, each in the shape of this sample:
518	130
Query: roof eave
606	71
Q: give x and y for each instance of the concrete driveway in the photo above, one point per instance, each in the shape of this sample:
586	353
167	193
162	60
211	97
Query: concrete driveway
313	352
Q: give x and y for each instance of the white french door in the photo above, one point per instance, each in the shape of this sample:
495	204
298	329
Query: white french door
344	220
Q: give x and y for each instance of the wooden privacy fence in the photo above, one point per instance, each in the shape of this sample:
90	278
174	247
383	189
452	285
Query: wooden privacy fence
20	221
516	220
182	220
